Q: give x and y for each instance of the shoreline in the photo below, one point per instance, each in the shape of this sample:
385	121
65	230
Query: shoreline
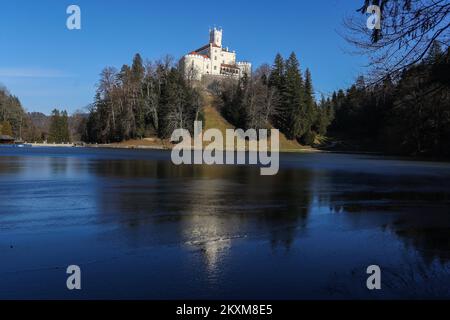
52	145
144	147
305	150
168	147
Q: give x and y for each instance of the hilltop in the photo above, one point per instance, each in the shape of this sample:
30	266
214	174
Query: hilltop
212	120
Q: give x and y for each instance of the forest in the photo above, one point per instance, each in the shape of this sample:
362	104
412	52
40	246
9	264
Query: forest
278	96
59	127
409	115
155	98
400	106
12	116
141	101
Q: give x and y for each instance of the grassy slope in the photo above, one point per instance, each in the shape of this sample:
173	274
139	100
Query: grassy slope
214	119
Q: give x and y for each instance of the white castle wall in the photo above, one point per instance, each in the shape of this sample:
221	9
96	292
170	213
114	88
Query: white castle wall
210	60
195	66
244	68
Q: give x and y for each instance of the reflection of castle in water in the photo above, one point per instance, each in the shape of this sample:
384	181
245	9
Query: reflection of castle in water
221	219
206	207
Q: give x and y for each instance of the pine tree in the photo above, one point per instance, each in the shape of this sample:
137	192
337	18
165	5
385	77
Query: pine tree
277	75
324	116
54	131
64	127
311	112
137	78
296	122
277	80
6	128
435	53
137	69
59	127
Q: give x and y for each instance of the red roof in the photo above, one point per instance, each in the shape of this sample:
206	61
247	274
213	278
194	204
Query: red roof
203	48
198	54
206	46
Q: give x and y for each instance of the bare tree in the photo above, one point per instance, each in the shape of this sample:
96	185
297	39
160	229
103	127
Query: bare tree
407	31
152	93
264	101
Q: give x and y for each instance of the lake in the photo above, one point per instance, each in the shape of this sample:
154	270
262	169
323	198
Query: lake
140	227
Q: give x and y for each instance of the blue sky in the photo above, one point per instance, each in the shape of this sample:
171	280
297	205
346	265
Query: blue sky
48	66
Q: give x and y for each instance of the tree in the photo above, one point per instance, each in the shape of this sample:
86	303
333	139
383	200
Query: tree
277	80
11	111
435	53
141	100
151	92
59	127
408	30
55	130
78	125
277	74
64	127
6	128
311	112
267	98
137	77
409	116
294	110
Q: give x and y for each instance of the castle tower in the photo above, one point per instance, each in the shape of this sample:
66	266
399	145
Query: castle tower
215	37
212	60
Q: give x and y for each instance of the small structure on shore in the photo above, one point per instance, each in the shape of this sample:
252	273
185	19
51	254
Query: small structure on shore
5	139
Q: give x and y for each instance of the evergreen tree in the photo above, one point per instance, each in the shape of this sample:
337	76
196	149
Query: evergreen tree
6	128
137	69
64	127
277	75
277	81
11	111
59	127
311	112
294	110
54	132
137	78
408	116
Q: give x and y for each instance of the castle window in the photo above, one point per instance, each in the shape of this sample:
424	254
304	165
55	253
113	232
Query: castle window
215	67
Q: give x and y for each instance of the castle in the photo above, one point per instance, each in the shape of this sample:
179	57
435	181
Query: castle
213	60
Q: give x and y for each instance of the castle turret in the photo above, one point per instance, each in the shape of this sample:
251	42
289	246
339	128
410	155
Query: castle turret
215	37
213	60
